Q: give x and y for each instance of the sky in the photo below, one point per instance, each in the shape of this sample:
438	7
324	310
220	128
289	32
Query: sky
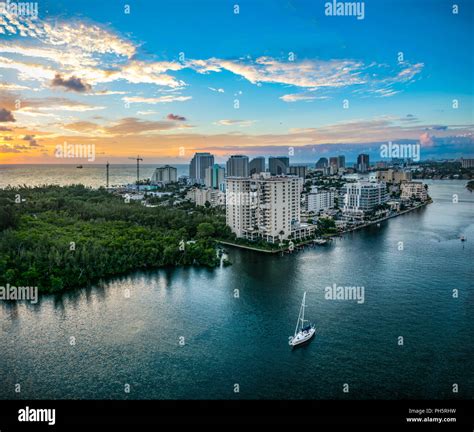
165	79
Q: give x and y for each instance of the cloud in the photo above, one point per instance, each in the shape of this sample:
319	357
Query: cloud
108	93
123	127
307	73
5	129
409	72
28	70
297	97
72	83
131	125
426	139
409	118
40	105
10	86
148	112
88	38
156	100
228	122
8	149
385	92
82	126
90	54
312	75
140	72
31	140
439	127
302	130
6	115
175	117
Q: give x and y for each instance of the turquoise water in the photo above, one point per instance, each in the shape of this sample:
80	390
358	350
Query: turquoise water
244	340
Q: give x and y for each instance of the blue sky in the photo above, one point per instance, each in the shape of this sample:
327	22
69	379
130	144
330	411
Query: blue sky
289	66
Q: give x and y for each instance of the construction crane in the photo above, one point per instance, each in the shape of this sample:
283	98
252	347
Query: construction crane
138	159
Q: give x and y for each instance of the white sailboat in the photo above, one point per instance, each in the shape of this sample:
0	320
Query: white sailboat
303	332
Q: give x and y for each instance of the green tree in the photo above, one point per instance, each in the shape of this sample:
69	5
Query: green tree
204	230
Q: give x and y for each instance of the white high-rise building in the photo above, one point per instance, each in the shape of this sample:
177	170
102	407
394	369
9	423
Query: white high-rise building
265	207
317	201
363	197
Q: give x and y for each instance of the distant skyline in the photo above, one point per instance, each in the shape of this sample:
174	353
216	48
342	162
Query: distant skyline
279	77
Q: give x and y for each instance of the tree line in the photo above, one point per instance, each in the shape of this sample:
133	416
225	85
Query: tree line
59	238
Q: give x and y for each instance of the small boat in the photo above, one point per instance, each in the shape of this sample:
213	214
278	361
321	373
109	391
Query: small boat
303	333
79	166
320	241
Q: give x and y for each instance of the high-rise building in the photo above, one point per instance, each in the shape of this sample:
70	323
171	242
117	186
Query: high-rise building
319	200
334	161
415	190
298	170
238	166
214	177
265	207
342	161
278	165
363	197
334	165
166	174
322	163
467	163
257	165
197	169
363	163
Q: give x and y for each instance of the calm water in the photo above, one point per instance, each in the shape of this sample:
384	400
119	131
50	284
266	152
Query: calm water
227	340
90	175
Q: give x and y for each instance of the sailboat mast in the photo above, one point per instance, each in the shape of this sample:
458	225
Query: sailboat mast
301	315
303	305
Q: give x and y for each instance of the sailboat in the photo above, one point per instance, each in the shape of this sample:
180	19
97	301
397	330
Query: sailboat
303	332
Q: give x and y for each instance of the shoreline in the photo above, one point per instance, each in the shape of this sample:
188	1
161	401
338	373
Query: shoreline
380	220
326	236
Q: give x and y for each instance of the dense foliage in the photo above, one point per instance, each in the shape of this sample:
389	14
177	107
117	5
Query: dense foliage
62	237
326	226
